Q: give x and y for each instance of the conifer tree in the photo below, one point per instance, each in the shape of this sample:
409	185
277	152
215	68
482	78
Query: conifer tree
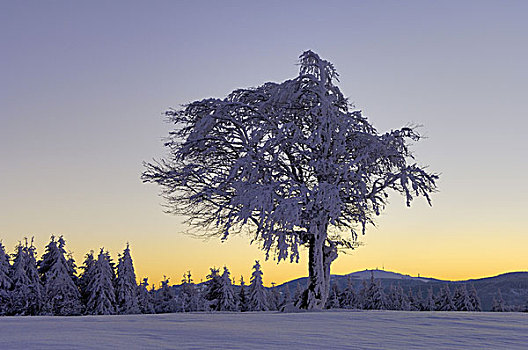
242	296
257	292
189	295
145	302
20	280
227	300
461	299
165	300
274	297
212	289
415	301
62	296
404	302
498	303
101	300
27	295
333	299
393	299
374	296
126	286
48	259
473	297
362	295
428	303
72	268
87	273
444	300
70	261
297	294
349	298
286	296
5	282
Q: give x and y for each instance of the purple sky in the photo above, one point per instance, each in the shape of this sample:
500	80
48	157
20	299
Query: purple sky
83	85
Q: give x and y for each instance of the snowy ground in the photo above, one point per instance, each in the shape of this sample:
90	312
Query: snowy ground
316	330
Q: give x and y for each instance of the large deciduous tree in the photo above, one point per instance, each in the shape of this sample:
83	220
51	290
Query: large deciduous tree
293	162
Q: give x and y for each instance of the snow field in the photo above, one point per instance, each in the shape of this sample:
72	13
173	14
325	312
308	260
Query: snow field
271	330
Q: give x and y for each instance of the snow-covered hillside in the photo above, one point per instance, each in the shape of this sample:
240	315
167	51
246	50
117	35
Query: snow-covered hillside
270	330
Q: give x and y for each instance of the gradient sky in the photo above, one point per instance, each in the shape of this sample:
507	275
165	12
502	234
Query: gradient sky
83	85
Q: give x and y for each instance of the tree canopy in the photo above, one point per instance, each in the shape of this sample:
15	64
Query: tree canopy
292	161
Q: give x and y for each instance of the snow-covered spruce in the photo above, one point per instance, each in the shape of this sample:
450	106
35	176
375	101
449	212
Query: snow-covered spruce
126	286
498	302
444	300
5	282
461	299
88	268
373	295
27	294
348	298
333	301
242	296
145	300
101	300
61	295
258	300
212	289
474	298
190	297
274	297
165	300
291	161
227	300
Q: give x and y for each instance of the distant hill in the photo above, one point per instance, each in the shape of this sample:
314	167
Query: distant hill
513	285
382	274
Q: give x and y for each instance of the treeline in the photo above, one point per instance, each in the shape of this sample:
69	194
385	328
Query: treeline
51	285
371	296
54	285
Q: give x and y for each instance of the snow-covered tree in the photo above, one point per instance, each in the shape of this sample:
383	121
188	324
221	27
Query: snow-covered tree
297	294
48	259
444	300
258	300
145	302
498	303
473	297
397	300
349	298
374	297
242	296
126	286
461	299
274	297
428	303
190	297
294	161
27	294
86	276
333	300
414	300
227	300
286	296
165	300
393	298
5	282
61	295
212	288
101	300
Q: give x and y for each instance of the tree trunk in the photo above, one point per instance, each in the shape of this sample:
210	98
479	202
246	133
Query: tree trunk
320	256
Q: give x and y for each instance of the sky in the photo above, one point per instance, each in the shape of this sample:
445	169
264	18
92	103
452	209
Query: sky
84	84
